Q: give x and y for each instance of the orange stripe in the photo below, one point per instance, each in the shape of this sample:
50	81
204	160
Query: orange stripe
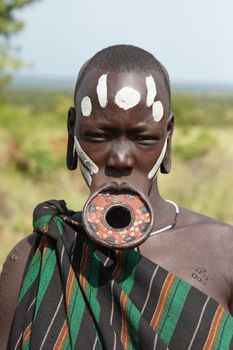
70	287
124	328
41	244
62	337
164	295
213	333
83	280
118	268
27	334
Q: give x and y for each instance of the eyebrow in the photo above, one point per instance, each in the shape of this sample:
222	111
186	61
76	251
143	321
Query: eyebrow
111	128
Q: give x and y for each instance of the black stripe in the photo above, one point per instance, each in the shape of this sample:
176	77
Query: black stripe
205	325
140	290
157	285
189	317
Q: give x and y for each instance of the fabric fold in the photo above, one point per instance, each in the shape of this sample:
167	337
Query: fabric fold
78	295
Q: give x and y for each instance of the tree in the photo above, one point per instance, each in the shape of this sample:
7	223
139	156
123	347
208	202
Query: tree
9	25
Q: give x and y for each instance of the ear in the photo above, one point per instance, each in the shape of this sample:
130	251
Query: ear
166	163
71	154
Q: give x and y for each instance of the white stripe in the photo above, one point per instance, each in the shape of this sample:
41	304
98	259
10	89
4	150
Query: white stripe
46	334
199	322
62	254
112	311
95	343
149	290
106	261
18	341
33	302
114	345
111	317
155	342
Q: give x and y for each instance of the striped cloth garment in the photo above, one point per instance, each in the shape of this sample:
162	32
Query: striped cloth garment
77	295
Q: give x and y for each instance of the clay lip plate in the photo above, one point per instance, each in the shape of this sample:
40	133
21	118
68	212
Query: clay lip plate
114	194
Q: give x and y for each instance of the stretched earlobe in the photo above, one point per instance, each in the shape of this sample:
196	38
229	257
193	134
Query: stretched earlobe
71	154
165	167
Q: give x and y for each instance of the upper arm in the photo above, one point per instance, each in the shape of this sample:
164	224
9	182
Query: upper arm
229	260
10	282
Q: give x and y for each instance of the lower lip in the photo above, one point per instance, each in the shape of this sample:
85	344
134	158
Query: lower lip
117	219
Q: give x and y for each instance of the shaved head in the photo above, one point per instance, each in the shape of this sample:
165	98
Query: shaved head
125	58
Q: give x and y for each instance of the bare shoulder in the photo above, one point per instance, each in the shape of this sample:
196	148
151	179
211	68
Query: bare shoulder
10	282
217	235
205	223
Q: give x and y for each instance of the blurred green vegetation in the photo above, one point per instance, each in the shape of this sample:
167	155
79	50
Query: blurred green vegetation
33	146
9	26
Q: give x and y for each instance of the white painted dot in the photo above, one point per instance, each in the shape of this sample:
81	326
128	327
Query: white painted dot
101	90
157	111
127	98
86	106
151	90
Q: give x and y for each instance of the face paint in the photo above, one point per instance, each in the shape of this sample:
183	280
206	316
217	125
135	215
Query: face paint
157	111
102	91
86	174
86	106
87	165
151	90
155	168
127	98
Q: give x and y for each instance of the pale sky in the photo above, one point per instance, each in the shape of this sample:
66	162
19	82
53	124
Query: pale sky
193	39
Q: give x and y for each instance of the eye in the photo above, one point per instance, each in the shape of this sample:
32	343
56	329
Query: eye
146	139
96	136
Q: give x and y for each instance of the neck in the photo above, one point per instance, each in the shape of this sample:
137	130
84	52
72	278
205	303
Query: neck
163	211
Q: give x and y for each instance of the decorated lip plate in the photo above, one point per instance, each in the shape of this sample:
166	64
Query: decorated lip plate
117	220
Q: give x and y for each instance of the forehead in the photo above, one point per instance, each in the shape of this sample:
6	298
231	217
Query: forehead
101	89
117	79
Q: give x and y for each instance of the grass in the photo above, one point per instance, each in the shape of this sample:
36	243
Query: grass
33	144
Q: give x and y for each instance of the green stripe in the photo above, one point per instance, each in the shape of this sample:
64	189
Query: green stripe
76	312
76	317
133	320
26	346
67	345
58	222
225	333
173	308
126	280
131	259
31	275
47	270
93	284
42	222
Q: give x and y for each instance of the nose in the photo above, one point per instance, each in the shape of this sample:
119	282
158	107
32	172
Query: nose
120	161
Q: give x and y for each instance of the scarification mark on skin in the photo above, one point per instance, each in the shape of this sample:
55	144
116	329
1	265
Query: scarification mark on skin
151	90
127	98
201	275
102	91
86	106
157	111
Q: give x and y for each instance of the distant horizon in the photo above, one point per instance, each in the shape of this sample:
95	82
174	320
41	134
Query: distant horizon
36	81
